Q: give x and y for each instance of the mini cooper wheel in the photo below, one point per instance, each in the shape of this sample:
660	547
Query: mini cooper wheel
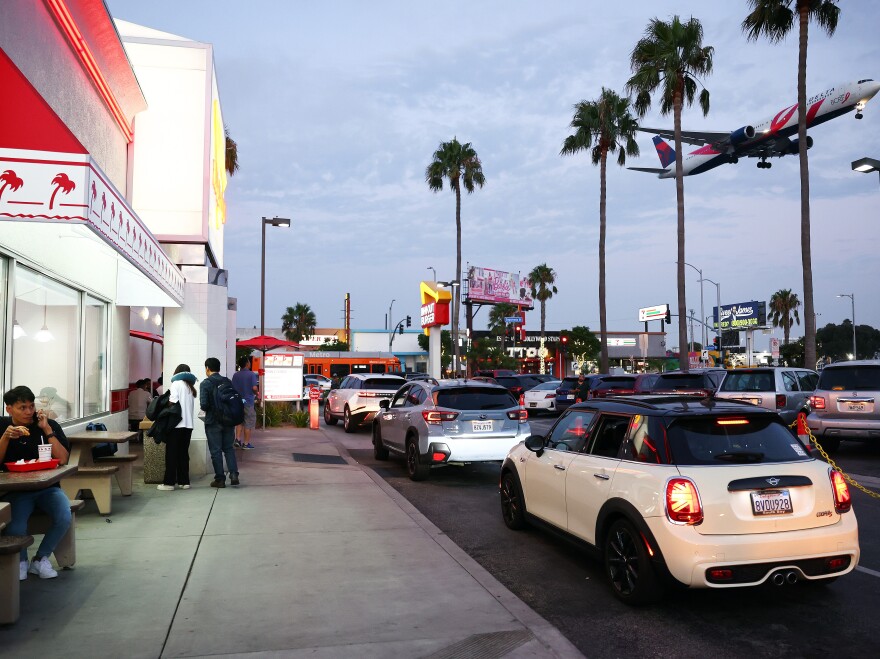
512	502
329	419
628	566
379	450
348	423
414	467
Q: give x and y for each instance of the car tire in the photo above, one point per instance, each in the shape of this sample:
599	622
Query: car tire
329	419
513	505
414	467
379	450
628	566
348	422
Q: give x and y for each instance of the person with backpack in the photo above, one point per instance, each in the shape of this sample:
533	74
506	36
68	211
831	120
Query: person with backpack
224	409
182	394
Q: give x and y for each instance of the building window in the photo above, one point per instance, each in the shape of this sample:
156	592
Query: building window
94	356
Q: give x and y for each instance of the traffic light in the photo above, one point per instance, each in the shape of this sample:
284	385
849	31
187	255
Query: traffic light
716	343
668	318
409	321
563	339
400	329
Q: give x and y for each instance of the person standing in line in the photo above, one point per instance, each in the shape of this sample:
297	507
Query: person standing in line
220	437
138	400
182	392
246	384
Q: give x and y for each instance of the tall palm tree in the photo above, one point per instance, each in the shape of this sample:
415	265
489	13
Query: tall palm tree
670	59
460	165
231	153
774	19
298	322
601	127
542	278
784	310
497	322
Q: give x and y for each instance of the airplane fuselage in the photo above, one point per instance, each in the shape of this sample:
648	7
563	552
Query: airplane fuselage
772	135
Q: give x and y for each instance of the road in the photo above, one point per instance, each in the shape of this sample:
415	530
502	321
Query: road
568	588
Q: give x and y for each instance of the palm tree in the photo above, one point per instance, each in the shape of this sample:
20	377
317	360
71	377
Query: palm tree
460	165
602	126
11	180
542	278
774	19
231	153
784	310
497	322
62	182
298	322
670	59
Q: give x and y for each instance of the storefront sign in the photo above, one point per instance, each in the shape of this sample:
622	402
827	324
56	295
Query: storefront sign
434	314
284	377
741	316
497	287
622	343
653	313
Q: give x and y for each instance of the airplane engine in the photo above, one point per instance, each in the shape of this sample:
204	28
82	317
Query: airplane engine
741	135
794	148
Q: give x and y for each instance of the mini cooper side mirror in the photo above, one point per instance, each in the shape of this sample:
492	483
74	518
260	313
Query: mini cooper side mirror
535	443
384	404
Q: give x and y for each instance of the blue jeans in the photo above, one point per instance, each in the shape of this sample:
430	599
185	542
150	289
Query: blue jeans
51	501
220	440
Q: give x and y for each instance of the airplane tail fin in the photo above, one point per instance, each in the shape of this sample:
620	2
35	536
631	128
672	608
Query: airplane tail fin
665	152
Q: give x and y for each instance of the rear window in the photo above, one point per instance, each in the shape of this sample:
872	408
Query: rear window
736	381
680	381
618	382
474	398
547	386
850	377
732	440
569	383
384	384
507	381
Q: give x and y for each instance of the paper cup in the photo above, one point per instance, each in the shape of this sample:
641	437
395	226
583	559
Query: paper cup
45	452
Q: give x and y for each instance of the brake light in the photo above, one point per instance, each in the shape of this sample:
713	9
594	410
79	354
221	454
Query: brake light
550	396
721	574
817	402
732	422
437	456
369	394
780	401
518	415
842	500
437	417
683	501
522	400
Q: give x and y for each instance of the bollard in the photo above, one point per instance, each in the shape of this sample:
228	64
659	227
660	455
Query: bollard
314	412
803	432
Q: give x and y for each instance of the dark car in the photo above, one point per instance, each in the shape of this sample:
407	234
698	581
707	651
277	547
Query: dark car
695	381
494	373
517	384
566	394
644	382
603	386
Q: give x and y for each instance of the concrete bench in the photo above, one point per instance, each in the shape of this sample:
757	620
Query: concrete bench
10	546
65	552
97	481
123	476
5	514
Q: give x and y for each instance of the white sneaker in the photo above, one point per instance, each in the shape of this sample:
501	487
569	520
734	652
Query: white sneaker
43	568
185	487
165	488
22	570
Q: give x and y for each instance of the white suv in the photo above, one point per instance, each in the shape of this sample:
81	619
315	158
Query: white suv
706	493
356	400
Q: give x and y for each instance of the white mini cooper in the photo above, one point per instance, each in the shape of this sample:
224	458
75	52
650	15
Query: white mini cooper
674	489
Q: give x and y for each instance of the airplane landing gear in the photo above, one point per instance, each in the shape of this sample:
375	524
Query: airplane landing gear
733	160
765	165
859	107
859	115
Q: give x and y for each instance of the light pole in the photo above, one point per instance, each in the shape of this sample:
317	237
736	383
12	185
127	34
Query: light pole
852	298
275	222
453	284
702	310
866	165
718	306
432	269
389	314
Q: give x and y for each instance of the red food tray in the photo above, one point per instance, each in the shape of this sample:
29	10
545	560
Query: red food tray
32	466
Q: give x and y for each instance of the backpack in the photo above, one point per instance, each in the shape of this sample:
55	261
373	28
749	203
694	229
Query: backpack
228	404
157	405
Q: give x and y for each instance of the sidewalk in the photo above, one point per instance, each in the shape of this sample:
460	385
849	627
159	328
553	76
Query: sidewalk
303	559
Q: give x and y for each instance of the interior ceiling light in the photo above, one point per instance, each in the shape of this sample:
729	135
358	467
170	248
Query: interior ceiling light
44	334
145	313
17	330
157	319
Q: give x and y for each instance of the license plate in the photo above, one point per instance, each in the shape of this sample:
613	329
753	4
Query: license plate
482	426
771	502
533	405
570	397
857	407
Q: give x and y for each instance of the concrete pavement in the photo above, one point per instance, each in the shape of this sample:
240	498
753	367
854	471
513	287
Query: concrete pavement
319	559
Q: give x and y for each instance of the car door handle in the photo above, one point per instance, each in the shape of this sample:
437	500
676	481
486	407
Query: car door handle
604	477
559	467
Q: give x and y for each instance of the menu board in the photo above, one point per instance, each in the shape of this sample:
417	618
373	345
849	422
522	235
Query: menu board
283	378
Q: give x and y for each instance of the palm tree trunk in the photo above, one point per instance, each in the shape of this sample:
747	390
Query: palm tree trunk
543	316
806	257
603	320
457	289
683	356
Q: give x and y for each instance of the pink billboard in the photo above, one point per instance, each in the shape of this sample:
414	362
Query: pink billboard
496	287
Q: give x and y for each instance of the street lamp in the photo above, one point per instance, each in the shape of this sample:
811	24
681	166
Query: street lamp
852	297
866	165
275	222
718	306
432	269
452	284
389	314
702	311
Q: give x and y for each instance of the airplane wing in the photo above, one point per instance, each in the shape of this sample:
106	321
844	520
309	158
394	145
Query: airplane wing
695	137
650	170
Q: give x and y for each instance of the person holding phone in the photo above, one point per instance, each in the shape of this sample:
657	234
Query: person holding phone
22	432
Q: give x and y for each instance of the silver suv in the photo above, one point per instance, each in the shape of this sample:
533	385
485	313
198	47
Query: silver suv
357	398
782	389
845	403
435	423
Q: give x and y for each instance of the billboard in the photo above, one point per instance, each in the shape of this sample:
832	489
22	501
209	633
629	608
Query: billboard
497	287
741	316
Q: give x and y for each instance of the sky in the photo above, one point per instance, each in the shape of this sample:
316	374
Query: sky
337	108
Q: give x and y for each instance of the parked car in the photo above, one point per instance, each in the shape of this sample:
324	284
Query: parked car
676	490
786	390
644	382
321	380
541	377
517	384
447	422
542	398
697	380
356	400
844	404
566	394
495	372
602	386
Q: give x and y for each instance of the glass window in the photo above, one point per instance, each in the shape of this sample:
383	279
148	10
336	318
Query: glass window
609	436
710	440
807	380
646	441
571	431
383	384
399	399
46	357
789	381
95	356
474	398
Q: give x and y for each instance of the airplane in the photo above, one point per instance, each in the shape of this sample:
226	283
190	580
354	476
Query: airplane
769	139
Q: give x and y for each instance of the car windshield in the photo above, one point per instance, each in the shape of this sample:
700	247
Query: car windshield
850	378
553	384
384	384
716	440
474	398
680	381
749	381
617	382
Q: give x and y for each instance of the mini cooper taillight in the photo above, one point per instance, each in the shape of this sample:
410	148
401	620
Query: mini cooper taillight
518	415
437	417
817	402
842	500
683	501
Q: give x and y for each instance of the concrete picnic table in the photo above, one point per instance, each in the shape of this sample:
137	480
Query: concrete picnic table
81	441
34	480
97	477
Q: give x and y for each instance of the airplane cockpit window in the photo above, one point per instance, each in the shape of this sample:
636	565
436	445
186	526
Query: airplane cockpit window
865	80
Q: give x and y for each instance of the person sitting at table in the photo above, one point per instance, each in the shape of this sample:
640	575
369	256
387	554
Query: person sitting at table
22	431
138	400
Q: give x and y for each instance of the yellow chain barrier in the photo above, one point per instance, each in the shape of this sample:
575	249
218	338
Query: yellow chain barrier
849	479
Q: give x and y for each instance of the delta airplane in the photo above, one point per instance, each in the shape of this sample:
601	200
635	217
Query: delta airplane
769	139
